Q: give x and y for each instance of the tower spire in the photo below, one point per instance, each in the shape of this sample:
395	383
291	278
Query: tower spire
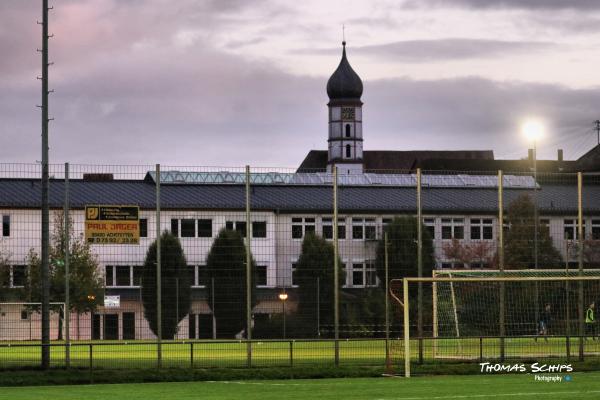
343	35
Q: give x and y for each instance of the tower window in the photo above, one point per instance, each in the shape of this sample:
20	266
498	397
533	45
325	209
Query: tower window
347	130
348	151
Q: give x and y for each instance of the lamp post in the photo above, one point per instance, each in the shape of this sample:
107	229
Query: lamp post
534	130
283	297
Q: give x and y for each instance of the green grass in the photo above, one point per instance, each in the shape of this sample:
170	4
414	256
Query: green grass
232	354
582	386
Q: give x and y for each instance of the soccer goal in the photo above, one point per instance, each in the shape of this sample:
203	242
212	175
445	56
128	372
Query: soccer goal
22	321
469	316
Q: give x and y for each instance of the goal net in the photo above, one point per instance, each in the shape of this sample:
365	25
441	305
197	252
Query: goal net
21	321
476	316
472	309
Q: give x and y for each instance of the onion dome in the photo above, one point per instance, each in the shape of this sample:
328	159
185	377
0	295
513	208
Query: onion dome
344	83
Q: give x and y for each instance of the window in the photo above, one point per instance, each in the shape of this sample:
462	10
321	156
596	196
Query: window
348	151
239	226
205	228
327	226
143	227
24	315
202	276
261	275
188	228
571	229
109	276
19	275
259	229
430	226
364	228
175	227
294	278
453	228
193	275
6	225
596	229
302	226
137	275
482	229
363	274
348	131
123	277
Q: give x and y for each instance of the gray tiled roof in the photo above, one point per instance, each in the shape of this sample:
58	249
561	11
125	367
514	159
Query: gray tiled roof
552	198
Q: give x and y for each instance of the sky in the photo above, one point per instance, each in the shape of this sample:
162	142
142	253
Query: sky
236	82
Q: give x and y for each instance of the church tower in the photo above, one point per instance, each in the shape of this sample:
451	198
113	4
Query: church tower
344	89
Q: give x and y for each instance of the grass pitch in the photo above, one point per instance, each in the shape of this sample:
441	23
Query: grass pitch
580	386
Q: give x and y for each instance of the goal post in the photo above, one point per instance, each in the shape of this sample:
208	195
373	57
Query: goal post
471	304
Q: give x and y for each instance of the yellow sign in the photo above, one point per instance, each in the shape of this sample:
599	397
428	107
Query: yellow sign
112	224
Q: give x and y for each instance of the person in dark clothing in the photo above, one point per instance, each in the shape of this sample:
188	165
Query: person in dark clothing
545	318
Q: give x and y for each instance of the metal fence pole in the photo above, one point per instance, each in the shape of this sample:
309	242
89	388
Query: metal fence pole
580	260
318	307
419	266
158	273
406	329
501	262
67	250
248	273
388	363
336	293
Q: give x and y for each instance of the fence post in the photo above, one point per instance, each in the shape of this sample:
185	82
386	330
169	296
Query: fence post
336	294
91	346
158	273
406	329
501	261
580	260
67	250
419	266
388	364
319	307
291	353
192	354
248	273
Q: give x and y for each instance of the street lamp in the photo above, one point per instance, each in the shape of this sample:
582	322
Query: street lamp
283	297
533	131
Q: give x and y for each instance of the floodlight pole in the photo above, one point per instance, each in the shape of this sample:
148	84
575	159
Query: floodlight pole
406	329
45	206
535	233
67	251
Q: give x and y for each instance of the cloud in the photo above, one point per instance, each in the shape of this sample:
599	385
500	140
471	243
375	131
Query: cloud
519	4
417	51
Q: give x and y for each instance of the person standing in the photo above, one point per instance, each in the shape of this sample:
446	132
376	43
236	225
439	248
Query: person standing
590	321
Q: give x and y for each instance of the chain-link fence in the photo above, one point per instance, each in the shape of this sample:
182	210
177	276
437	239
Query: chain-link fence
149	265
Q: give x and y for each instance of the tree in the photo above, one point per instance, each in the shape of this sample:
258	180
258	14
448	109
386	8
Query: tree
86	286
7	294
175	286
403	260
314	274
480	252
402	250
226	267
519	248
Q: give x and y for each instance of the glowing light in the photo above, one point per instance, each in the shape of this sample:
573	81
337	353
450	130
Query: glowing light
533	129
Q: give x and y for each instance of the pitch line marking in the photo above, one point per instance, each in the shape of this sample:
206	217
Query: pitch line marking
484	396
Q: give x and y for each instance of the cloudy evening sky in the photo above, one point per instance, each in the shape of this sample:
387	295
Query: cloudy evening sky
235	82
